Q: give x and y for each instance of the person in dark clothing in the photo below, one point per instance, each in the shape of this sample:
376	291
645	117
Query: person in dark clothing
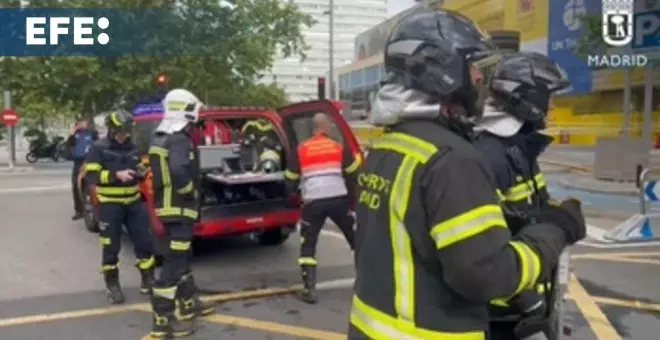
509	137
432	244
173	157
78	143
114	168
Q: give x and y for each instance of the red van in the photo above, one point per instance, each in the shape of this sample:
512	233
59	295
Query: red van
263	210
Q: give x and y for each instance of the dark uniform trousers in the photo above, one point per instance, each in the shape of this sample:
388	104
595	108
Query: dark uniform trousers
78	206
177	255
313	217
134	216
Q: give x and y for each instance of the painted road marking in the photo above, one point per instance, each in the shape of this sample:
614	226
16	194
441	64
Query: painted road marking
632	304
598	234
597	321
270	327
45	188
218	298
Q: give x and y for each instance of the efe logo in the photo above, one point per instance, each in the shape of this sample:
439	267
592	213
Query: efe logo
35	30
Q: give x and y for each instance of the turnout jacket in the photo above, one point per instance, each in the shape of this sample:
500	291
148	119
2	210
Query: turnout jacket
104	159
432	243
174	163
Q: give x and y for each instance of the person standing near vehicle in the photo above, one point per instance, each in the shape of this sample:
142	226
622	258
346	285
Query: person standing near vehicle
432	245
324	170
175	167
79	141
510	141
113	169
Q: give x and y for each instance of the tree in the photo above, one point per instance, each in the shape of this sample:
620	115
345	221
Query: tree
592	41
241	41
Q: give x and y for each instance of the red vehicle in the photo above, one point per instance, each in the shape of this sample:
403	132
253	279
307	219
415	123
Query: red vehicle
267	218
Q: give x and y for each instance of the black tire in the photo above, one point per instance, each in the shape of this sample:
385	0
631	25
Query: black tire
90	218
274	237
30	157
55	157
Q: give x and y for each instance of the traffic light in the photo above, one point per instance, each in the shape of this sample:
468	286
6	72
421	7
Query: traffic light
162	81
321	87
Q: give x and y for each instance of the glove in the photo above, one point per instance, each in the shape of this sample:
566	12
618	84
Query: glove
568	217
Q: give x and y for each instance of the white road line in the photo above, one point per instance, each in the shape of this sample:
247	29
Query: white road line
44	188
335	284
334	234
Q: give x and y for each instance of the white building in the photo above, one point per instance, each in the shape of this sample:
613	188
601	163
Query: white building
299	79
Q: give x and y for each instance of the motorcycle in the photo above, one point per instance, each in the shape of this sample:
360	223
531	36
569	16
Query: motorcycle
39	149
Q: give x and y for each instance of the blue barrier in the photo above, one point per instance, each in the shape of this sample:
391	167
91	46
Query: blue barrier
649	191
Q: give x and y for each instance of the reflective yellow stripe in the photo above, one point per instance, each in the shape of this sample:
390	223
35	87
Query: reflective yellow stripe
166	292
378	325
109	267
167	209
157	150
147	263
530	266
117	190
467	225
115	119
540	180
105	177
269	155
174	211
105	241
500	195
354	166
90	167
288	174
122	200
524	190
404	268
309	261
179	245
186	188
420	149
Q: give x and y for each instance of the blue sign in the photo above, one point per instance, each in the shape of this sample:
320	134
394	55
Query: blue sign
649	191
564	31
647	30
147	109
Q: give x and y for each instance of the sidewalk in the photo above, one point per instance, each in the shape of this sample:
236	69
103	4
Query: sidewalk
590	184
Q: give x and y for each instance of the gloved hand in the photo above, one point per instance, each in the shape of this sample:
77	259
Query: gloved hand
568	217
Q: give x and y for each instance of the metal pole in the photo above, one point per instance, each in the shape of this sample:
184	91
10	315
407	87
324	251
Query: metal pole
647	132
627	94
331	49
11	133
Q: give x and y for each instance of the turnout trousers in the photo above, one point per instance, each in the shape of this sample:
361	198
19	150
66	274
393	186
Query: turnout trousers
134	215
313	217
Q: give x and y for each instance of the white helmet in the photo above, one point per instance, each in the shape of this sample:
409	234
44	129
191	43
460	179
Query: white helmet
181	108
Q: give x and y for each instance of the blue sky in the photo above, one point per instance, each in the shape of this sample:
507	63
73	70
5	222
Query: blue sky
396	6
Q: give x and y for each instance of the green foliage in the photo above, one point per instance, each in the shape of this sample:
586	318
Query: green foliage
592	41
244	38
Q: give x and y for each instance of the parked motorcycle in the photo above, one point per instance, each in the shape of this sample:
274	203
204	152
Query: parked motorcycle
39	149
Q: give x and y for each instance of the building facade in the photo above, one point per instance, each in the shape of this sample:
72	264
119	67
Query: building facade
299	79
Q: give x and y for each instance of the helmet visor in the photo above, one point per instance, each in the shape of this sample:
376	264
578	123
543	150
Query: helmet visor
482	70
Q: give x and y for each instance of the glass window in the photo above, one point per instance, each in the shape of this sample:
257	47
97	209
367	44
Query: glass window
303	128
356	79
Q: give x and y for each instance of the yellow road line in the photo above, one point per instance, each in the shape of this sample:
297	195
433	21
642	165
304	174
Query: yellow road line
274	327
597	321
619	259
632	304
70	315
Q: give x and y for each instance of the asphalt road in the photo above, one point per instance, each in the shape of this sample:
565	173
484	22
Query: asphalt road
50	286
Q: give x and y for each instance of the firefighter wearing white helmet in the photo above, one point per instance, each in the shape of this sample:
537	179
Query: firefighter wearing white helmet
173	160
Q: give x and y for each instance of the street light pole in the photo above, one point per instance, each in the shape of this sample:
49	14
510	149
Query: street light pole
331	48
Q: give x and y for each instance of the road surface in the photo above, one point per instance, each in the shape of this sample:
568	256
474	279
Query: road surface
51	288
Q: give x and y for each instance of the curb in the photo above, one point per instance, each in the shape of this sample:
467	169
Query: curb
20	169
570	166
625	192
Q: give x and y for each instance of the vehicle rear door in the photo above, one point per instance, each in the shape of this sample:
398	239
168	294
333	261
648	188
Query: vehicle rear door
297	122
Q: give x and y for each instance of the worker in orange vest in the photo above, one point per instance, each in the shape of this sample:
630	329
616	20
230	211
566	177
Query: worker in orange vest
324	171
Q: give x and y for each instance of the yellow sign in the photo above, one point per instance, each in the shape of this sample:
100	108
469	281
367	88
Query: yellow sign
530	17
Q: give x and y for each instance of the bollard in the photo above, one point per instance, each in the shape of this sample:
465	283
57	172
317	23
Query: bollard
11	133
638	175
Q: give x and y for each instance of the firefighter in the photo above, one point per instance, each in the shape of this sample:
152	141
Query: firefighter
173	159
113	167
324	171
432	245
509	139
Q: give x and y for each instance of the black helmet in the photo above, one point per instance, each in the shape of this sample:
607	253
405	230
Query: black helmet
432	51
119	121
523	83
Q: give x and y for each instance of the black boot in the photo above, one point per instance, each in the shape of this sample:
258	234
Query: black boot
165	324
189	303
308	292
113	289
147	280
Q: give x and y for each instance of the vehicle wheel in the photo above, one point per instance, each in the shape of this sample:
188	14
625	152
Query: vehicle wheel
90	218
273	237
30	157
